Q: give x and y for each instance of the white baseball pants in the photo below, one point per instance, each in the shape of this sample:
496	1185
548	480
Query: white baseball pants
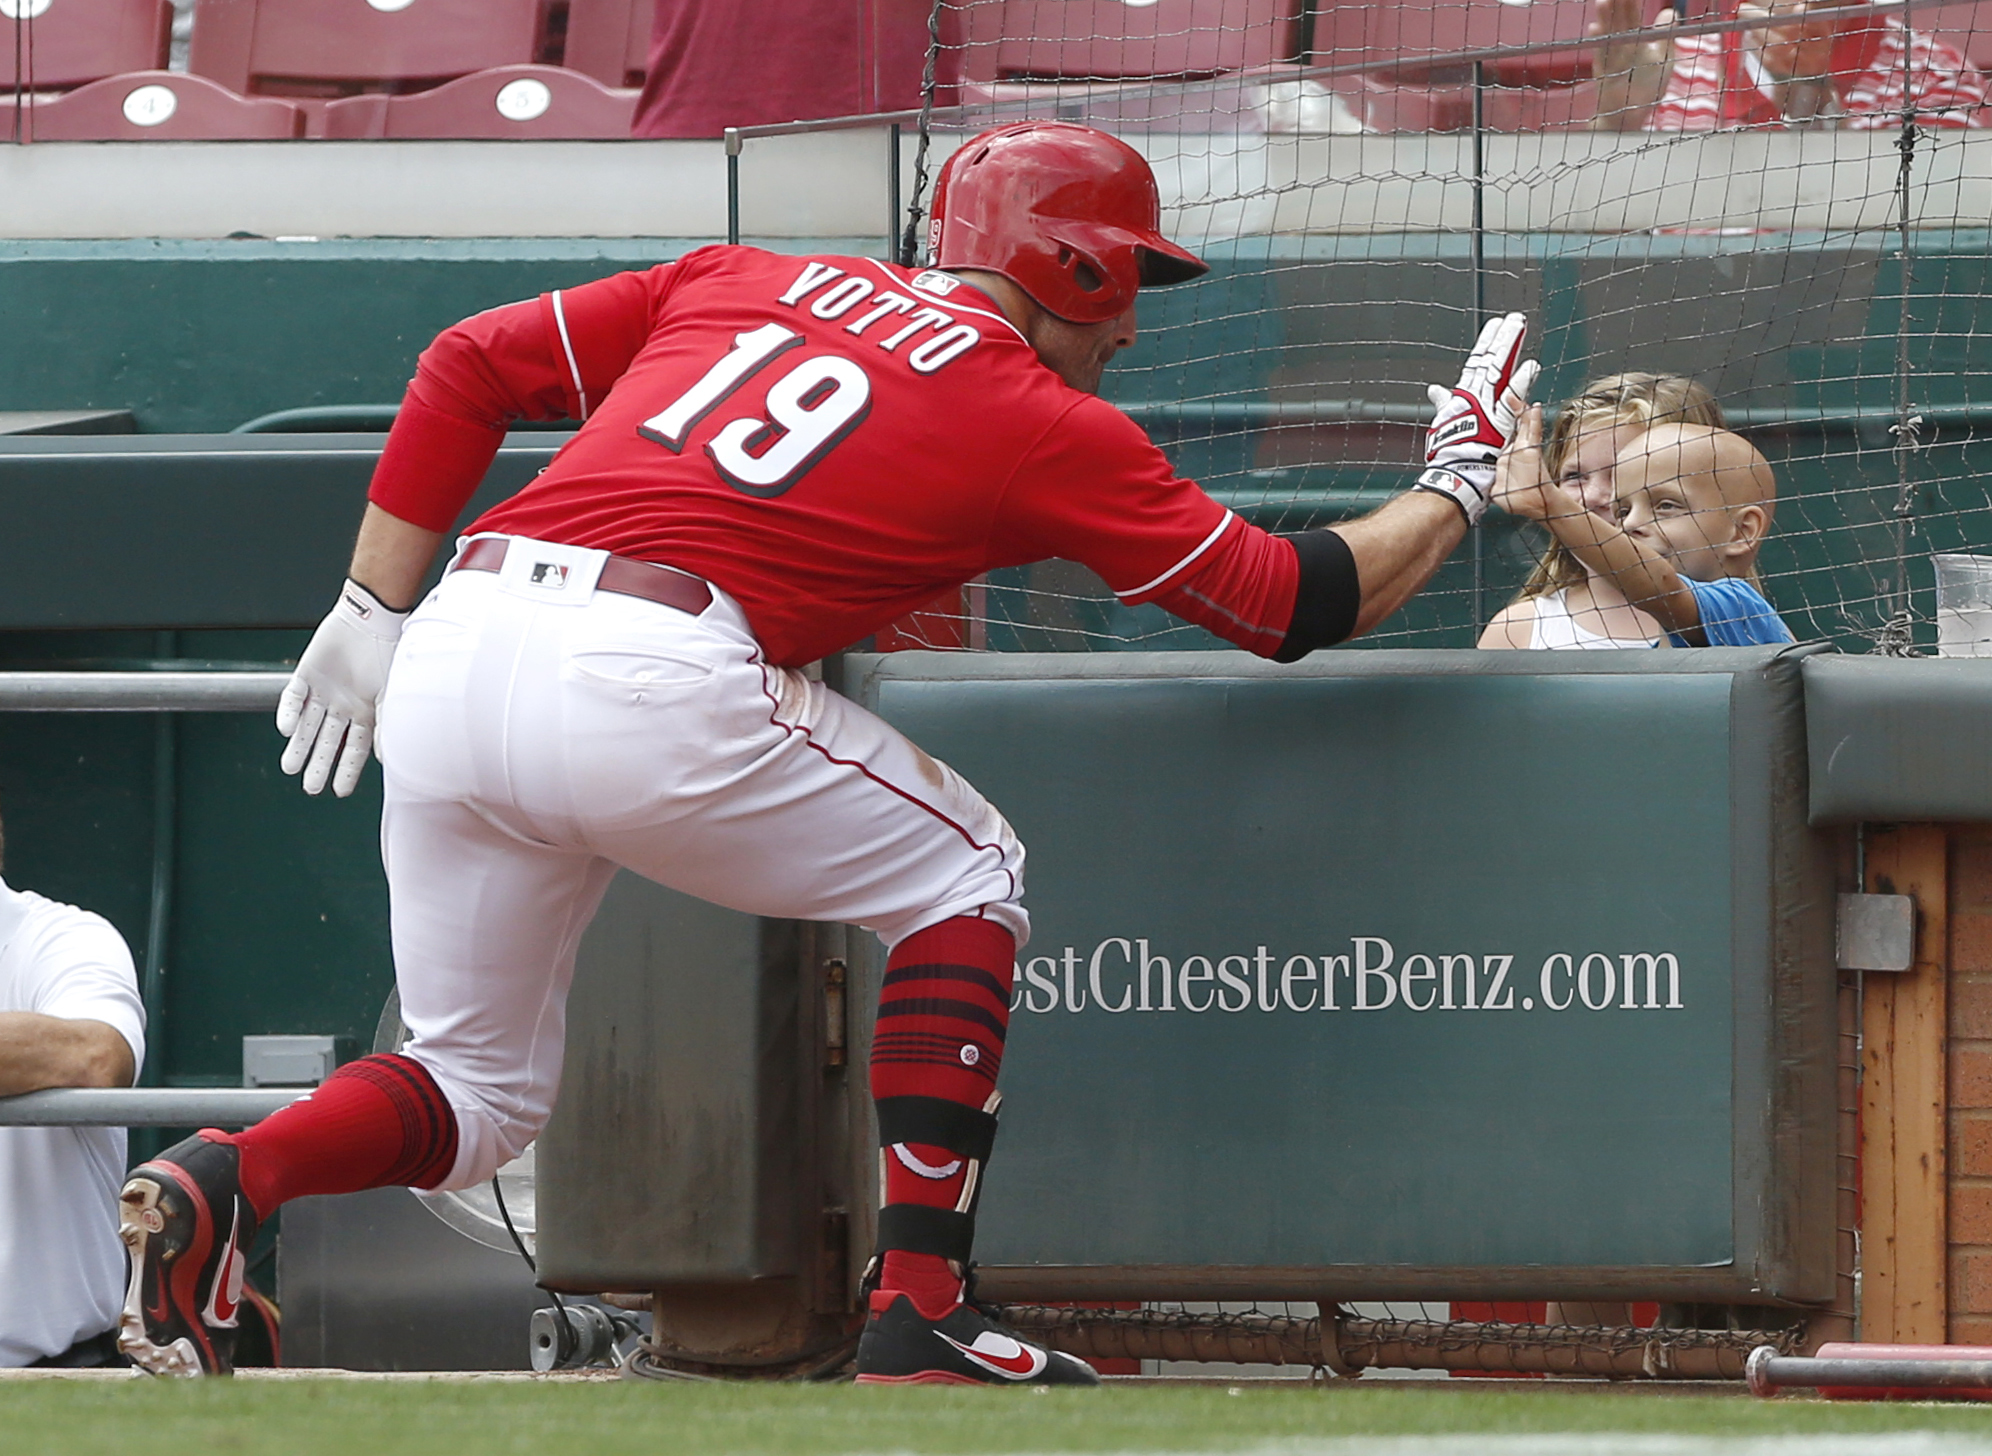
537	733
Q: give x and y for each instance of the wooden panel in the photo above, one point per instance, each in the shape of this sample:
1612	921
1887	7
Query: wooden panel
1904	1208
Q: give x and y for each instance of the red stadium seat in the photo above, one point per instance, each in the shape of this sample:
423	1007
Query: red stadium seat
1402	36
329	48
539	103
75	42
609	39
1410	89
153	106
1110	39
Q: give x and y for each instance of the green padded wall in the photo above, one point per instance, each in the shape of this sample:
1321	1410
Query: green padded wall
1299	1084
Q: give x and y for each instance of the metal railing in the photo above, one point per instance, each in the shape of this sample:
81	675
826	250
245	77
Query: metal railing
141	692
146	1106
164	692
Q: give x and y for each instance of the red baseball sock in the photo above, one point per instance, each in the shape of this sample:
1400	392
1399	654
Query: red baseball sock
380	1122
943	1014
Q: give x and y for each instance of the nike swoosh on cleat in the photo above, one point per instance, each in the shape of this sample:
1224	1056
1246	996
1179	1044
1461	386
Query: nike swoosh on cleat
1001	1355
225	1295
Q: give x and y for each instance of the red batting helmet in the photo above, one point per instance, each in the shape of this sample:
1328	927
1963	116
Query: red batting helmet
1068	214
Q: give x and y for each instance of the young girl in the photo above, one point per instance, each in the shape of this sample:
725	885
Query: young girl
1563	606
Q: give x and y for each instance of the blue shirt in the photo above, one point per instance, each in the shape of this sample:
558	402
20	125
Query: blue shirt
1734	614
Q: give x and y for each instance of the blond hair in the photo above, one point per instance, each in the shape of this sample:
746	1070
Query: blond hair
1607	404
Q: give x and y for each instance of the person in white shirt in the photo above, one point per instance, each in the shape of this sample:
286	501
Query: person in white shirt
70	1016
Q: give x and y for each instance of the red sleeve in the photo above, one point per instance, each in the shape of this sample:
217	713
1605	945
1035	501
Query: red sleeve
550	358
1096	490
1242	589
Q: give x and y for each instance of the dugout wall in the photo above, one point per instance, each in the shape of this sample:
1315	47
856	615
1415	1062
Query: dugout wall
1407	897
1297	1020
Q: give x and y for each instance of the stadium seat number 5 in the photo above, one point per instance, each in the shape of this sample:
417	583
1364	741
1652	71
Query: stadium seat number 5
810	408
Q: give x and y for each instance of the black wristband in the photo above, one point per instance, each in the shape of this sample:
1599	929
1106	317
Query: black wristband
1328	597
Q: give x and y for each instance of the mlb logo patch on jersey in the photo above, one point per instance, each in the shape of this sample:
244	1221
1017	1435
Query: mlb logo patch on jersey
935	281
549	574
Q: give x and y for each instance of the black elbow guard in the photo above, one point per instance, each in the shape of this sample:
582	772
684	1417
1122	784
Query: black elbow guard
1328	598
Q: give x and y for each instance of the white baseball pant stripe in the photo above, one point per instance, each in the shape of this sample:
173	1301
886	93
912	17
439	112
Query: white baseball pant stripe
535	736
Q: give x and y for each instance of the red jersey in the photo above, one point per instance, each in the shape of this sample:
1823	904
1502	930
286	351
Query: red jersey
832	441
1717	81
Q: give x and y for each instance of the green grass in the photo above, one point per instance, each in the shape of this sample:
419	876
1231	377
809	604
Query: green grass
347	1418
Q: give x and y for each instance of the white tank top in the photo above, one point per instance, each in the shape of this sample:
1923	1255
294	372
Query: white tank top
1555	630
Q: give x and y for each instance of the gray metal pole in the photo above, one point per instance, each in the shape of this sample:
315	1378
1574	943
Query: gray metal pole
146	1106
165	839
733	184
1769	1372
140	692
1479	308
892	194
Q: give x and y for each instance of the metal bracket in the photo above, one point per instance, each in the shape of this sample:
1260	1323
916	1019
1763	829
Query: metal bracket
1329	1340
1877	933
835	977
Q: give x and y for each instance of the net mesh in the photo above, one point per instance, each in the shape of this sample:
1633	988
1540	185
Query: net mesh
1793	217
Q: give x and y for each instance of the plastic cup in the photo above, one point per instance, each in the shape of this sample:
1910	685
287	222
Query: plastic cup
1964	605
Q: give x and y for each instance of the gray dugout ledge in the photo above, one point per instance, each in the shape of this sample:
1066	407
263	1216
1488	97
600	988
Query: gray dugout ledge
1904	740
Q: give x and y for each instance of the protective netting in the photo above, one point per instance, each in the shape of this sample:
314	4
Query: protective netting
1794	216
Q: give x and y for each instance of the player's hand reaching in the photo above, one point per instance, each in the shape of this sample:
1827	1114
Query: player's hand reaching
327	710
1475	419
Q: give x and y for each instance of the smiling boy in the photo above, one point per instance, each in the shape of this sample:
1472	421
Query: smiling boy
1695	504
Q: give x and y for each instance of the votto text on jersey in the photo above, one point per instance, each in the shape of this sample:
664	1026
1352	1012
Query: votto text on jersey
1122	974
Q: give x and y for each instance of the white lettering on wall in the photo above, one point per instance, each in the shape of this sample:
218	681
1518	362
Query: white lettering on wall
1123	974
1093	976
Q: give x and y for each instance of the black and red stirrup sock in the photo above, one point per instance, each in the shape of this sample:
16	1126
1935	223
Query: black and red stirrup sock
943	1014
380	1122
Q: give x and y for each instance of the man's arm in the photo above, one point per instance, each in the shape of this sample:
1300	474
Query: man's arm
38	1051
1396	550
391	557
327	708
1798	56
546	358
1632	67
1392	553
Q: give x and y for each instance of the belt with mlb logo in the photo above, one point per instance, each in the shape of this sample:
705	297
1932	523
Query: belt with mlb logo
663	584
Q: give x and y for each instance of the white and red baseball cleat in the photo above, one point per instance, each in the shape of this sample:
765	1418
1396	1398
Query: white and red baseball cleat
188	1227
901	1346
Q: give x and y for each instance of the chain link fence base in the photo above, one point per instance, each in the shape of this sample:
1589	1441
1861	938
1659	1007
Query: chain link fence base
1346	1345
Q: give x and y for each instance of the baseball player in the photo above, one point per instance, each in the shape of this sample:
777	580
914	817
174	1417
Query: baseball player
778	456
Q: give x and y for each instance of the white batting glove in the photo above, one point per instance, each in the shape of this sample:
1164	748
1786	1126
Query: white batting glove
1475	419
327	710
